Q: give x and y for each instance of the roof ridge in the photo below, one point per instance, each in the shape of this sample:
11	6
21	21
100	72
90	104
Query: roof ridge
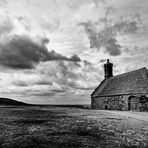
143	68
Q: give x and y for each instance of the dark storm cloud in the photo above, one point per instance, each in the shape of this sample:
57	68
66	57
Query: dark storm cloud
21	52
74	58
112	47
55	56
107	36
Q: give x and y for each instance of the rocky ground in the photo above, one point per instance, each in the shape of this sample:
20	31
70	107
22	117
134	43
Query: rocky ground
69	127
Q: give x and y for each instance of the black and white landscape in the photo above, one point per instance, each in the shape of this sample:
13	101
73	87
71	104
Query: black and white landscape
52	56
71	127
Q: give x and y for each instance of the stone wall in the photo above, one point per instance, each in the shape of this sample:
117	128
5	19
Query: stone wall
119	102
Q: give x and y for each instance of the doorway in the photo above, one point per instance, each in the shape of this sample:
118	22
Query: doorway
106	107
133	103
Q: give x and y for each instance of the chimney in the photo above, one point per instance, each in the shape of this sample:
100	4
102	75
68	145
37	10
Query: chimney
108	69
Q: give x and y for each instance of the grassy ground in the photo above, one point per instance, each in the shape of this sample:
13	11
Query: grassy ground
63	127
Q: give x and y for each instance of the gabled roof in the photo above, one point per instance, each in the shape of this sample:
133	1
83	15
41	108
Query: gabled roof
128	83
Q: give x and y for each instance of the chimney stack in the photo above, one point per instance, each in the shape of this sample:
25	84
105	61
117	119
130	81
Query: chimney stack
108	69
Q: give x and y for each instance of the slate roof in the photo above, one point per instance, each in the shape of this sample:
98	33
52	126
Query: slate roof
128	83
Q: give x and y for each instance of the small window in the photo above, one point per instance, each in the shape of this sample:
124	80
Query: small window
143	99
106	107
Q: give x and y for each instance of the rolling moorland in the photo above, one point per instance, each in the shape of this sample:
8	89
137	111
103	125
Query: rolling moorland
7	101
68	127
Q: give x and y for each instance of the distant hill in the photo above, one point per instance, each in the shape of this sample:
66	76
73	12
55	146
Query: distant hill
6	101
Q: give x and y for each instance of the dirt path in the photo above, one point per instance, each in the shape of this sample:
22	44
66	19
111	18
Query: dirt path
138	115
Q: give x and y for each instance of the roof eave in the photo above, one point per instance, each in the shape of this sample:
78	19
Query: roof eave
110	95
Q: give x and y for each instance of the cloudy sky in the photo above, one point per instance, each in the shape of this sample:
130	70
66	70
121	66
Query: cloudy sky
53	51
